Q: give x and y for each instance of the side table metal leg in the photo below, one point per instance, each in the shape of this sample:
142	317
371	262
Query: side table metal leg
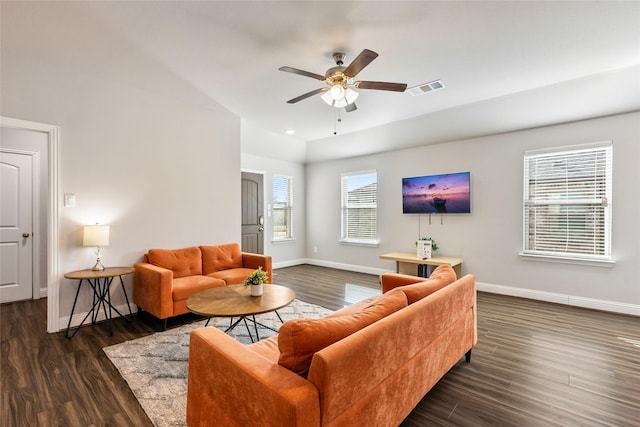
75	300
107	290
125	297
96	300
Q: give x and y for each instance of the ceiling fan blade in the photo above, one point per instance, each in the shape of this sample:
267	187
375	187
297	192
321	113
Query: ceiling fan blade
306	95
302	73
361	61
395	87
351	107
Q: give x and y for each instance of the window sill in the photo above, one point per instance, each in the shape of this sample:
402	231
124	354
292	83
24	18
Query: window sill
369	243
568	260
287	240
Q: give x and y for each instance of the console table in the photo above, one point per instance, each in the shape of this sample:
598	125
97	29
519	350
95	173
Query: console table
407	263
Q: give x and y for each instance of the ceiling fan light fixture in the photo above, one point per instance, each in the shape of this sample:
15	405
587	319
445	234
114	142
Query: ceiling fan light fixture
350	95
339	97
339	103
340	90
326	97
337	92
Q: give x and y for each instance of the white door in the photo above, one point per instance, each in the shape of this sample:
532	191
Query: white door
16	241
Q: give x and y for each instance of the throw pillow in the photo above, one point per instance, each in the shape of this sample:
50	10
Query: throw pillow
442	276
300	339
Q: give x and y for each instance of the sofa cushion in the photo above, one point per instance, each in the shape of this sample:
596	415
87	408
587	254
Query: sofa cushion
184	287
300	339
183	262
442	276
220	257
233	276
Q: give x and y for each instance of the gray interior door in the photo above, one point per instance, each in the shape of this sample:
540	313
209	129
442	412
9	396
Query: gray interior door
252	213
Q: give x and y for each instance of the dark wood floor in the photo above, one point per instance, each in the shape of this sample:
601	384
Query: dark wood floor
536	364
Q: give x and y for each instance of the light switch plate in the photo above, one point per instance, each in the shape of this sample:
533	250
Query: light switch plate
69	200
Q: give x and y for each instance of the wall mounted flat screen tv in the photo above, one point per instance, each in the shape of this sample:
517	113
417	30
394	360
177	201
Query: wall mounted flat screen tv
437	194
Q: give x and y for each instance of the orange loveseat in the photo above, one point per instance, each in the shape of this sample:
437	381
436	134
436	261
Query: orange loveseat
167	277
367	364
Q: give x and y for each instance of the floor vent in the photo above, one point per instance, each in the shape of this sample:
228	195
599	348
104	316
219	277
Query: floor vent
426	87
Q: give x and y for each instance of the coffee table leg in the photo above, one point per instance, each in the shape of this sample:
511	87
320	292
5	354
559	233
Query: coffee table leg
249	330
255	325
231	327
278	314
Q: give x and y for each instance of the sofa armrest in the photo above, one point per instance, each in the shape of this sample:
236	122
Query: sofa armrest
393	280
152	289
250	260
232	385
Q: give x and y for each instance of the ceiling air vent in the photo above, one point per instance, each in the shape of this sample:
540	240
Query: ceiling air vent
426	87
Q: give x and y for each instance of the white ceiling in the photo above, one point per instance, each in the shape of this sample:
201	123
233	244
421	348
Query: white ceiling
506	65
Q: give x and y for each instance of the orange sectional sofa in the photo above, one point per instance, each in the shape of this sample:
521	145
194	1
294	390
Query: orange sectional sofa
367	364
167	277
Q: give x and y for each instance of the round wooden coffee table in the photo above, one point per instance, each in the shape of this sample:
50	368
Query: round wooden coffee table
236	301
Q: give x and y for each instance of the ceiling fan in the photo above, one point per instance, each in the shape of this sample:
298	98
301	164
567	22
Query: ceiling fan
340	90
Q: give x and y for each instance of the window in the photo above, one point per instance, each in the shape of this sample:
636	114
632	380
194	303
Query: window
567	202
282	207
359	207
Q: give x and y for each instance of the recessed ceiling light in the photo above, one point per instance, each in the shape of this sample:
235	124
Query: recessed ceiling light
289	131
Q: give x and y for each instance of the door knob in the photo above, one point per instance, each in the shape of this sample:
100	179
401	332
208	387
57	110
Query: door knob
25	235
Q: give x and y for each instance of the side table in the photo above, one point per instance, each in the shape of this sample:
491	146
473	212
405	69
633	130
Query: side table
100	282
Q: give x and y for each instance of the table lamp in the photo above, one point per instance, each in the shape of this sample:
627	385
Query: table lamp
96	235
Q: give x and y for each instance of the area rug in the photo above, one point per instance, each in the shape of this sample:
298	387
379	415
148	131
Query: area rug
155	366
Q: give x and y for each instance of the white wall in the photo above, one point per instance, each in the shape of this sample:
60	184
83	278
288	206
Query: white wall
142	150
256	158
490	238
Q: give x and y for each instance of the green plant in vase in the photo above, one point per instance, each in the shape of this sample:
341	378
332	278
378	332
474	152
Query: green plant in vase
258	277
256	280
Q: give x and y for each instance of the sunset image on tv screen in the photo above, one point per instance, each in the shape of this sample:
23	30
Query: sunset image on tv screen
445	193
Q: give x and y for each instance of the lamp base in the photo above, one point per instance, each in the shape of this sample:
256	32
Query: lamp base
98	266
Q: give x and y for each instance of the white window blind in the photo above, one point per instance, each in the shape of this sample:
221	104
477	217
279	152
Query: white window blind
567	202
359	207
282	207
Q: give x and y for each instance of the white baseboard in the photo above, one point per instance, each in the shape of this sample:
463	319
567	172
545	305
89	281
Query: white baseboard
77	317
331	264
572	300
289	263
43	292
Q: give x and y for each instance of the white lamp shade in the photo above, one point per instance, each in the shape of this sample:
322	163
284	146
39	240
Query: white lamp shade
339	97
326	97
336	92
350	95
95	235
